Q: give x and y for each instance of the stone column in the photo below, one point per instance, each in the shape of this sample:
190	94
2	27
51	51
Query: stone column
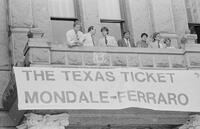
162	15
140	17
21	20
37	49
35	121
41	17
180	17
20	13
191	38
163	19
173	37
4	49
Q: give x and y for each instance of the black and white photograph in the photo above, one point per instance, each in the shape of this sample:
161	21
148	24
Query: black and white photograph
99	64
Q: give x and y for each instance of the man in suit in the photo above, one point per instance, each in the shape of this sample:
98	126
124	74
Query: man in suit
106	40
126	41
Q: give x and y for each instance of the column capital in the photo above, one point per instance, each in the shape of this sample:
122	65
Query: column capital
36	121
191	38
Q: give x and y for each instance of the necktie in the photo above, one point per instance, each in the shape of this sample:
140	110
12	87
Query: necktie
158	44
128	43
106	41
92	40
77	36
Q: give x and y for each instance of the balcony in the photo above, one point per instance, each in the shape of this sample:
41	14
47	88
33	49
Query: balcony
40	53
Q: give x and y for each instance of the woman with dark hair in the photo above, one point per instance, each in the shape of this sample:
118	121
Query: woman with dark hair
156	41
143	43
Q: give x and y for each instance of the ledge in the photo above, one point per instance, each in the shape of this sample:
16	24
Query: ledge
116	50
42	53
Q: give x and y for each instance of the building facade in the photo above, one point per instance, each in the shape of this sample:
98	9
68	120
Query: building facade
32	33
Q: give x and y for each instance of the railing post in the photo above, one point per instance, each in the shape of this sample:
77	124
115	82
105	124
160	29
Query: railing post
37	49
191	38
172	36
192	55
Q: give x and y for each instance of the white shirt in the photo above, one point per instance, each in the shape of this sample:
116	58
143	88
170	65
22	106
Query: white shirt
127	41
88	40
157	44
111	42
73	37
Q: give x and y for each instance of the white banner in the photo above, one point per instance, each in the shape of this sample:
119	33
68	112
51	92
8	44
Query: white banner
119	88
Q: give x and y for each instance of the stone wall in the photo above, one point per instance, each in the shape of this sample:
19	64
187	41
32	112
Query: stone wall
20	18
142	21
39	52
4	49
180	17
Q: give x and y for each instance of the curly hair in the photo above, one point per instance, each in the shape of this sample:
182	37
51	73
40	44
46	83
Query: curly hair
154	35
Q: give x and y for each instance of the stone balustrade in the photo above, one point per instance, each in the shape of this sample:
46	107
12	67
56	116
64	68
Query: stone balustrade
39	52
174	38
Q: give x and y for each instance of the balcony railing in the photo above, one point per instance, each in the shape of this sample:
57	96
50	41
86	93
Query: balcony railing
39	52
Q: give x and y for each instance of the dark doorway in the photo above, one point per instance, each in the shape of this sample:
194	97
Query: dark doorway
195	29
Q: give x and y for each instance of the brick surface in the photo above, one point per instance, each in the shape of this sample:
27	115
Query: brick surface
147	60
162	61
19	41
119	60
177	61
41	17
133	60
40	56
194	59
89	59
21	13
4	48
74	58
58	58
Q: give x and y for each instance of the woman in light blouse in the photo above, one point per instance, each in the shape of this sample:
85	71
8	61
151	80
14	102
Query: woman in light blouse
156	41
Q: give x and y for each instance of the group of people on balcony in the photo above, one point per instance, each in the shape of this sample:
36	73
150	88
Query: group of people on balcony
76	38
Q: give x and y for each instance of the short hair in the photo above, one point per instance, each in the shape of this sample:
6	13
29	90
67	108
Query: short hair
104	29
144	34
125	32
165	40
76	23
154	35
90	28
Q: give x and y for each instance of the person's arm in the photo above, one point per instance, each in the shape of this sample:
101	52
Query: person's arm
132	43
81	38
119	42
70	40
138	44
113	42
